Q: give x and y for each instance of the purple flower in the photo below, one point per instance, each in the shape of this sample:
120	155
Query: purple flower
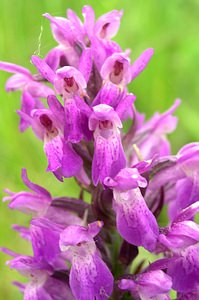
151	137
183	268
182	232
109	157
90	278
36	202
154	285
116	69
42	284
25	81
188	296
31	89
74	36
71	85
45	236
69	82
48	125
179	177
39	203
135	222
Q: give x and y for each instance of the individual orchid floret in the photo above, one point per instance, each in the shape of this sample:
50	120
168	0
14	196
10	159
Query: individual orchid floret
25	81
108	24
109	157
183	268
68	37
69	82
31	89
134	221
90	278
182	232
48	125
151	138
36	202
116	69
178	176
49	129
42	284
151	285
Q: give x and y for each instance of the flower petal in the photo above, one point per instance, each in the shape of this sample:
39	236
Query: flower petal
13	68
43	68
135	222
71	162
141	62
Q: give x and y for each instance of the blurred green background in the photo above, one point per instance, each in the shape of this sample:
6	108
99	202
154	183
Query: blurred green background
170	27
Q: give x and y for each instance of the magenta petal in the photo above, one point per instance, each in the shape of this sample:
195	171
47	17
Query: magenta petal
188	213
185	270
34	187
72	131
109	158
40	90
141	62
125	107
52	59
27	202
76	22
27	105
55	287
109	94
17	82
57	109
86	63
61	29
89	19
45	242
180	235
12	68
85	108
54	153
71	162
90	278
135	222
61	216
23	231
108	24
43	68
